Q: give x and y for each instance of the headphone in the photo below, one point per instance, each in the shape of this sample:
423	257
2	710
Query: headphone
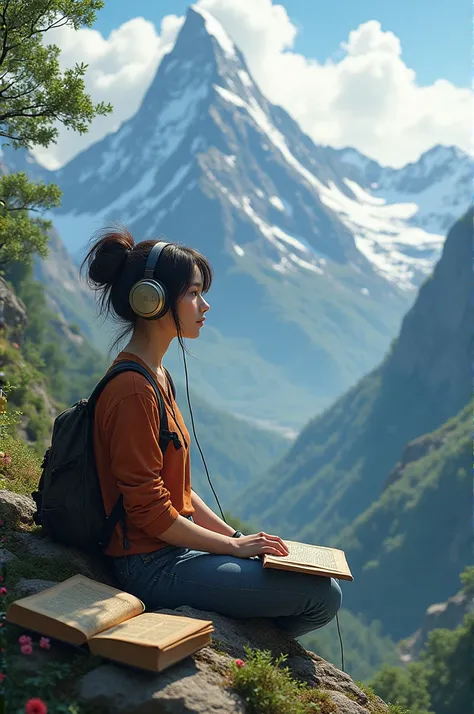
148	297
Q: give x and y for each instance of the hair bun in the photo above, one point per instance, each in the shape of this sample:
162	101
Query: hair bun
108	255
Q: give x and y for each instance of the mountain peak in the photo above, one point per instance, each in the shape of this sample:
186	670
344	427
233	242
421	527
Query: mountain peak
197	18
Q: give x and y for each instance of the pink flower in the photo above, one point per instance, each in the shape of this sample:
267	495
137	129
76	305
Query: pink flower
2	677
24	640
45	643
3	591
7	460
16	345
36	706
239	662
26	649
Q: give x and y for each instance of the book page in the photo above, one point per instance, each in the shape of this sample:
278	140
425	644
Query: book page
84	604
153	629
316	556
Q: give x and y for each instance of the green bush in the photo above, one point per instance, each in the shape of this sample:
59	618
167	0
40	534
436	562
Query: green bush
268	688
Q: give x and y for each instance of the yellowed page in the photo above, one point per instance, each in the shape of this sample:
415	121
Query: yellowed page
83	604
314	556
154	629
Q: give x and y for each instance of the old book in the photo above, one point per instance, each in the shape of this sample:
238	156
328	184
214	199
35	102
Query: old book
111	623
311	559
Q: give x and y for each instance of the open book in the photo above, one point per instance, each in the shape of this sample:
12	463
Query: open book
311	559
112	623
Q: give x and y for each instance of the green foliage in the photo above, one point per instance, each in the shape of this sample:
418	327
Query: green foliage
70	367
405	687
447	658
26	403
55	677
36	96
20	234
441	680
34	93
467	580
408	531
22	474
268	688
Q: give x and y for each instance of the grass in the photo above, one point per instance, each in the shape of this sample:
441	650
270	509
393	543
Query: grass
268	688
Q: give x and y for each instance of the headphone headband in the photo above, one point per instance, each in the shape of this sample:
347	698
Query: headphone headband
152	260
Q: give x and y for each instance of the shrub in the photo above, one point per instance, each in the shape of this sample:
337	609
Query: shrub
268	688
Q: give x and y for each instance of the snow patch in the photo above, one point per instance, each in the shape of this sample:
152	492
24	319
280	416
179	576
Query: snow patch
245	78
304	264
230	96
215	29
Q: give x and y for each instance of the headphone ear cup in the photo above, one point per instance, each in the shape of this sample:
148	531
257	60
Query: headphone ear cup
148	299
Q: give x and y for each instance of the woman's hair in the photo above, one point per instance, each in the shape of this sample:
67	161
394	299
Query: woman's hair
115	263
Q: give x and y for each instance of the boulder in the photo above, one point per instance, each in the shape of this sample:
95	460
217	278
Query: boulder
198	684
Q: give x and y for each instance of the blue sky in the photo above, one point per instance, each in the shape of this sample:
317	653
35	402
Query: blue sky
436	35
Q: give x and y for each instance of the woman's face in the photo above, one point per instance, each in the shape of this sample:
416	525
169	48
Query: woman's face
192	307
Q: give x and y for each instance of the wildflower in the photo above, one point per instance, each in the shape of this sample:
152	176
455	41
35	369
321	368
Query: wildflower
7	460
3	591
239	662
24	640
2	677
36	706
26	649
45	643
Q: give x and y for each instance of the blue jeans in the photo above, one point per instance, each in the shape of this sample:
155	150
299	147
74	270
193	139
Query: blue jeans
236	587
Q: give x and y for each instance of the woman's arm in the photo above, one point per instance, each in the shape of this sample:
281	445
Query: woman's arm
205	517
187	534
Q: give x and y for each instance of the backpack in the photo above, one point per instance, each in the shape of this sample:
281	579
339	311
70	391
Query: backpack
69	500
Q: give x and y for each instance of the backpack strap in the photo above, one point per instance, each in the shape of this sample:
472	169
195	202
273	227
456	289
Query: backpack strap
118	511
170	380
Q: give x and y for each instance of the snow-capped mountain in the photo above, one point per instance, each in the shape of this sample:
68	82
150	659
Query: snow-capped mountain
317	252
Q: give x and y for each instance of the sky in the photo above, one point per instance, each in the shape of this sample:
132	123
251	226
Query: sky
391	79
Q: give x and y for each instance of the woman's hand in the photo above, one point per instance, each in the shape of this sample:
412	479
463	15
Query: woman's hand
258	544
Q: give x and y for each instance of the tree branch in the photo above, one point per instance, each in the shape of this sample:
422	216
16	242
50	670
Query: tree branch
4	43
17	96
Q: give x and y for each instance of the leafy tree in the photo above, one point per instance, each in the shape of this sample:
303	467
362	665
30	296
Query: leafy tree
441	681
447	659
36	96
407	687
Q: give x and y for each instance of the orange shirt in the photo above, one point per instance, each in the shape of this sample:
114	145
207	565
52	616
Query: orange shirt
129	460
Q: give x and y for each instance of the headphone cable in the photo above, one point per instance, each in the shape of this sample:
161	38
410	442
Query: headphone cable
195	435
215	494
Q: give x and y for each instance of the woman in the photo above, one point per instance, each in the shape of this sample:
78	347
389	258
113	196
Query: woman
177	551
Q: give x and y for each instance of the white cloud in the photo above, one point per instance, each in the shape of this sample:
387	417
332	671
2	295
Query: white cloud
120	69
367	98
